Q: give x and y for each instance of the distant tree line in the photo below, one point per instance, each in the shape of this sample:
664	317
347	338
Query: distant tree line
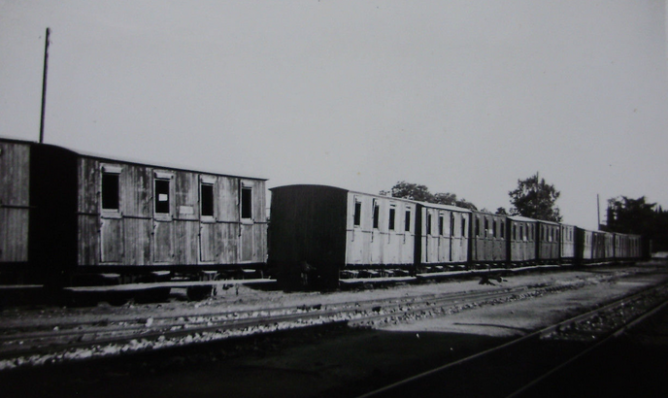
637	216
407	190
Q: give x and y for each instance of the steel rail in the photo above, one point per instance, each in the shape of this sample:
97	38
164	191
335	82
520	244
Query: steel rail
513	342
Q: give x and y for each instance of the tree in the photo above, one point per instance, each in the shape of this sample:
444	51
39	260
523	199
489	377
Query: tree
407	190
536	199
632	216
501	211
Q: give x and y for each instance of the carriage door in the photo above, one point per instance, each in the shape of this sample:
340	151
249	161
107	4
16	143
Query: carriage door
163	229
111	223
207	226
246	225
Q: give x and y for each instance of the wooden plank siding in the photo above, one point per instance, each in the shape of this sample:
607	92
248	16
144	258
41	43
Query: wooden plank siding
548	244
522	233
487	245
446	242
14	201
135	234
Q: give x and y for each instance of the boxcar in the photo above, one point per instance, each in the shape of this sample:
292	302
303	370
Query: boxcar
321	233
91	215
443	235
547	244
14	210
487	242
521	240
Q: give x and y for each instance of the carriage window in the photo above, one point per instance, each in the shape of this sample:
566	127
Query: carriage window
503	228
407	227
486	227
429	224
206	202
110	191
452	225
463	227
246	202
440	225
521	233
494	228
514	232
162	196
477	227
376	211
358	214
392	216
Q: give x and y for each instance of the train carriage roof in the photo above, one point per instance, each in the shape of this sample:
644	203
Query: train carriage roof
131	162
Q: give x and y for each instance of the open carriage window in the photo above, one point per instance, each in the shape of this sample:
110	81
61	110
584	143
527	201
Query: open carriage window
110	191
162	196
246	202
206	202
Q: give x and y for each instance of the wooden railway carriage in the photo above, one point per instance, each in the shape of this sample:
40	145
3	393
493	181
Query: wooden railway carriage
521	232
91	216
443	236
325	233
14	210
487	239
567	243
548	242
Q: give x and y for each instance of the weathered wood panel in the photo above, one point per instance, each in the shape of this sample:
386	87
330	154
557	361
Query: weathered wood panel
88	184
227	199
111	240
14	234
186	194
137	241
14	174
88	233
14	200
185	239
136	191
208	250
162	246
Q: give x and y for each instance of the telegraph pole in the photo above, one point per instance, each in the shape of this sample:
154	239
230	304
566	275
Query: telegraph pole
46	64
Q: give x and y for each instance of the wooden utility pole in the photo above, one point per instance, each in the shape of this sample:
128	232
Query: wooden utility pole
46	64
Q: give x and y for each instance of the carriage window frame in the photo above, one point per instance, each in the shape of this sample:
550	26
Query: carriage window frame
159	178
407	220
392	217
441	230
357	213
207	201
112	172
246	203
376	214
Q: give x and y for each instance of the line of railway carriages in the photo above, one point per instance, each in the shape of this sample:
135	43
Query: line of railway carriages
71	219
325	236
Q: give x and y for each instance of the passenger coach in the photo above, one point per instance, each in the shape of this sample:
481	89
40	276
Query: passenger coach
91	216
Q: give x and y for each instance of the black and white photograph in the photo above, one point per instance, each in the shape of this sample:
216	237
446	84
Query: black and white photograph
334	198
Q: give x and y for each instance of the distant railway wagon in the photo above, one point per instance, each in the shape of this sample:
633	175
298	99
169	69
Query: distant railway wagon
521	240
324	233
487	242
90	216
443	236
322	236
567	243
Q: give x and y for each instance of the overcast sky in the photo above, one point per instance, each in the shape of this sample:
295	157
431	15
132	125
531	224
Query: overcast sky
462	96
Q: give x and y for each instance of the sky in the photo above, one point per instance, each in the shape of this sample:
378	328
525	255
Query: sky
464	97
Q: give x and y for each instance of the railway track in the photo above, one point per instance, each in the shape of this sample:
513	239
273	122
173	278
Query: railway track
511	369
58	341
